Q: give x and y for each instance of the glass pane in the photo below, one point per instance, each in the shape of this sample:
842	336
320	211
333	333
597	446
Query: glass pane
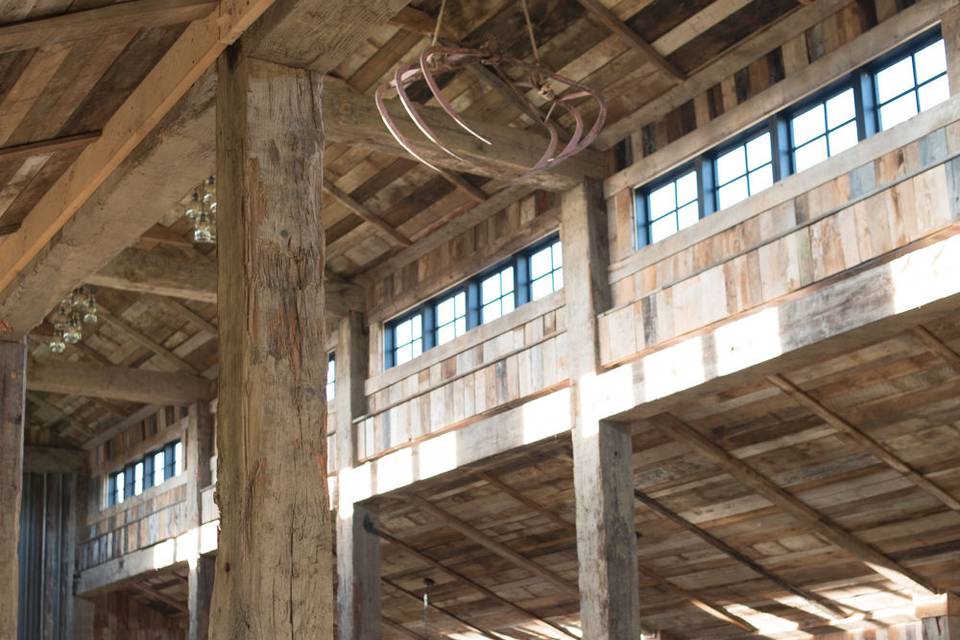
120	488
178	456
733	193
895	79
931	61
688	215
460	305
557	255
843	138
761	179
158	468
138	479
506	280
558	279
402	333
490	311
461	326
445	311
404	354
331	370
331	391
810	154
662	200
541	287
662	228
416	326
687	188
901	109
731	165
445	334
506	304
934	93
490	289
758	151
540	263
808	125
840	109
416	347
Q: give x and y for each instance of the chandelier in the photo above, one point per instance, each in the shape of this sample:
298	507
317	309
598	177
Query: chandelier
202	212
74	311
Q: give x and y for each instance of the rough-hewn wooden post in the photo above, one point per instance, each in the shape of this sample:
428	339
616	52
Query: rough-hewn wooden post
603	472
201	570
950	28
274	563
13	378
939	616
358	550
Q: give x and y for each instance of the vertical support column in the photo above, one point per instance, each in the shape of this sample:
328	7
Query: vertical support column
939	616
950	28
13	389
201	570
275	558
358	549
603	471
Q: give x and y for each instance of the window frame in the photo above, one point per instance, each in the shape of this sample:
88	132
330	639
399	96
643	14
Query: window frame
471	287
867	117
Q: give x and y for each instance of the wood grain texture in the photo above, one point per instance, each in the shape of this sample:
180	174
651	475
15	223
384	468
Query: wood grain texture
13	374
274	563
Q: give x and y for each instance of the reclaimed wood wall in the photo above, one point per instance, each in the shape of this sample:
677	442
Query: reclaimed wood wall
860	215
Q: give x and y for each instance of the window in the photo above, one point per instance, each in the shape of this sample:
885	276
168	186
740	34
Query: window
158	468
497	295
877	96
451	314
149	471
672	207
546	270
138	478
528	275
824	129
331	377
115	493
911	84
744	170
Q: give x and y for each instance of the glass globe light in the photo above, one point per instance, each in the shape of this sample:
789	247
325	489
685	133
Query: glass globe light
57	344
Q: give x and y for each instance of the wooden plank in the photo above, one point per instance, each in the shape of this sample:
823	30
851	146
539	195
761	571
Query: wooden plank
90	23
864	441
413	596
936	345
12	411
47	147
818	523
38	459
185	313
171	78
364	213
116	383
159	351
608	19
489	543
270	248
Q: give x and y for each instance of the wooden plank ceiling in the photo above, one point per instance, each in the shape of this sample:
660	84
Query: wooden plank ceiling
68	88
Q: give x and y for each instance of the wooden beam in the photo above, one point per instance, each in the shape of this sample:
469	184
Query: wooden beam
155	594
132	15
365	214
475	193
824	607
493	481
173	75
116	383
159	351
45	147
413	596
13	374
352	119
185	313
931	342
273	354
54	460
815	521
711	608
160	234
608	19
867	443
399	628
489	543
470	583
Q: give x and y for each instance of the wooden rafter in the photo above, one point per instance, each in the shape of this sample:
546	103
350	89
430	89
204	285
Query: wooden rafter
365	214
467	581
77	25
937	346
616	26
475	193
818	523
410	594
155	594
496	547
864	441
44	147
160	352
184	312
117	383
824	607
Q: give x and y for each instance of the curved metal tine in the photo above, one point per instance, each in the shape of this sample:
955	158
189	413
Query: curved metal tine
571	145
411	109
544	160
601	116
392	128
446	106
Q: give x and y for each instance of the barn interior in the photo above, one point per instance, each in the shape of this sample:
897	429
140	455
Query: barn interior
614	319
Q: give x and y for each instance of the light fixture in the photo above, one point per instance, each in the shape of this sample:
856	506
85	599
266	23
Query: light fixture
202	212
74	311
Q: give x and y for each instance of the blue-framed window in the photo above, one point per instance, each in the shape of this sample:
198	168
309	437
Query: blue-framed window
877	96
528	275
331	387
911	80
149	471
